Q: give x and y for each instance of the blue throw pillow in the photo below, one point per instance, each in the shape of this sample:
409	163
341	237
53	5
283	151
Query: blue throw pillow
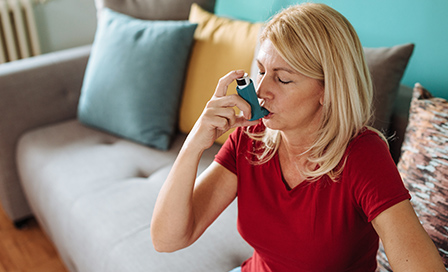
134	77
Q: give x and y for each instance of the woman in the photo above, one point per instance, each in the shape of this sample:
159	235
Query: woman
316	186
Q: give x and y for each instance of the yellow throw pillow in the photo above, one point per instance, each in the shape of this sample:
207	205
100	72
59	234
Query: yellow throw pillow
220	46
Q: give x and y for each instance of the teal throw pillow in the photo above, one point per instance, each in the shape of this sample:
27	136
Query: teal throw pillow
134	77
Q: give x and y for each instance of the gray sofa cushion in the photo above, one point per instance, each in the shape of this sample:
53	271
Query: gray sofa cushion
154	9
399	120
94	194
387	66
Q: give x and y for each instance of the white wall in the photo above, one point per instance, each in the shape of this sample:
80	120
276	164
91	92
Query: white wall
65	24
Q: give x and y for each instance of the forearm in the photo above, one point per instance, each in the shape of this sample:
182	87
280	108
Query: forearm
179	218
173	221
407	245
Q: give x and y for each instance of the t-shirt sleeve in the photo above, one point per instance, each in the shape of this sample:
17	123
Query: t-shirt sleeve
376	182
227	154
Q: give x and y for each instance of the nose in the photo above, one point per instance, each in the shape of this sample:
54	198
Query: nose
262	88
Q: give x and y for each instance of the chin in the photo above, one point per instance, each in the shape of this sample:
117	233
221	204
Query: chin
267	122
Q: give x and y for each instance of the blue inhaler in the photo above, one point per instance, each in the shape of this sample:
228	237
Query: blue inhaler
246	90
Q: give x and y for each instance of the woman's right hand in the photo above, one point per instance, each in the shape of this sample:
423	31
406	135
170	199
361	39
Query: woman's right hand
219	115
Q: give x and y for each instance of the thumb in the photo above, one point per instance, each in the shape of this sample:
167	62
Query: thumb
243	122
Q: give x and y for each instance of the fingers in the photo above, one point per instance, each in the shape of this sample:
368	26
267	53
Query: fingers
224	118
224	82
219	115
220	118
231	101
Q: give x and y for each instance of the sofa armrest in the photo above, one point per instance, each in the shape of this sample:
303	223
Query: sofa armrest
34	92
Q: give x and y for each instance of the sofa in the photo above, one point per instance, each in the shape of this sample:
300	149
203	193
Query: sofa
78	154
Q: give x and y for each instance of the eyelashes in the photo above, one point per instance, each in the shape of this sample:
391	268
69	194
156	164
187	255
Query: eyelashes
285	82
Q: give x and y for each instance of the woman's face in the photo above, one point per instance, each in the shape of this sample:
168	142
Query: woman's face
294	100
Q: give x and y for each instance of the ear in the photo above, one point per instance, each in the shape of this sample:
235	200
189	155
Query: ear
321	99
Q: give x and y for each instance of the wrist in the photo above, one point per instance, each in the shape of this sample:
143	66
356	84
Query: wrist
193	148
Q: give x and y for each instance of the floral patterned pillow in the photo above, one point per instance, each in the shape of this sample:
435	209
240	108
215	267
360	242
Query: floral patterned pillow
424	166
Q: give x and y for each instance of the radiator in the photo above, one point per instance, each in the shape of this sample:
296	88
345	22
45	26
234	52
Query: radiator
18	31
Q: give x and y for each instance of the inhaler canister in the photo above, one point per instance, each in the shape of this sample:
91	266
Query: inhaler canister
246	90
244	81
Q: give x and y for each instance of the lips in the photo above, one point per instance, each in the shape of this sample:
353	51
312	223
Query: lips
262	104
269	113
268	116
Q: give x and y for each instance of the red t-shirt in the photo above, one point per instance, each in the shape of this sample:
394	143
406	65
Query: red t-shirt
316	226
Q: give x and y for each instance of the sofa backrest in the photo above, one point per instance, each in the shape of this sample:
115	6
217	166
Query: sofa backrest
154	9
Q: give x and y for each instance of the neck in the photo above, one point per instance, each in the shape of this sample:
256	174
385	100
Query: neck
297	144
293	156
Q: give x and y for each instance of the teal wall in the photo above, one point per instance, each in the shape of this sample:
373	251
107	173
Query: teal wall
380	23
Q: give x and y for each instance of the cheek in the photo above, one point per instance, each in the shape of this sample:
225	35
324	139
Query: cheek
302	103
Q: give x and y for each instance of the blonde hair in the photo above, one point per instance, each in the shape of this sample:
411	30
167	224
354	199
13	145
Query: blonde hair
320	43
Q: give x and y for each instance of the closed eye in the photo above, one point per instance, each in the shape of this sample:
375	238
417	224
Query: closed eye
284	81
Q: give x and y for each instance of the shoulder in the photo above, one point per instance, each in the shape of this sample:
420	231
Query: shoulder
367	142
242	134
367	153
236	147
372	175
240	139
